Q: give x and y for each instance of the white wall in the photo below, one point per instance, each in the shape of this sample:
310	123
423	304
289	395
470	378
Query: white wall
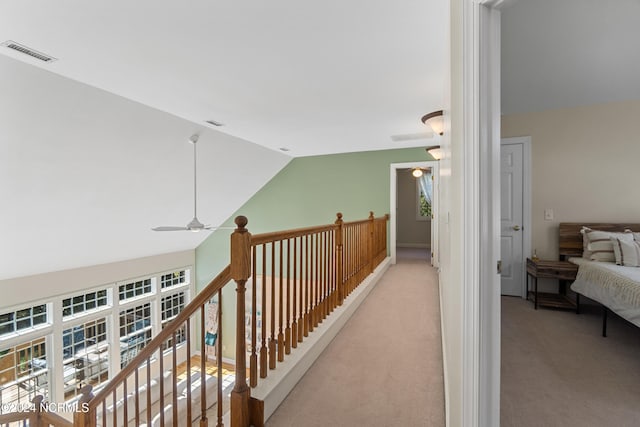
411	232
450	224
584	166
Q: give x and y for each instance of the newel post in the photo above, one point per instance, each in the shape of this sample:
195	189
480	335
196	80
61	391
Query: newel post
371	240
339	259
240	273
83	415
36	416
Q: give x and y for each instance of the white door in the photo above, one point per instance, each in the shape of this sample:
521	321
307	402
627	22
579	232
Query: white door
511	218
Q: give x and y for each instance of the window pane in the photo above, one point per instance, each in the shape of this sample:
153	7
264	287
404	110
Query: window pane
86	356
24	372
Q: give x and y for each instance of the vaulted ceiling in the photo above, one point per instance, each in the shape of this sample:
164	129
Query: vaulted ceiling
93	145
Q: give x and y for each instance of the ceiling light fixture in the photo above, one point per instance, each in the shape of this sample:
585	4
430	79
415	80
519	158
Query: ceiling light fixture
435	120
214	123
417	172
435	151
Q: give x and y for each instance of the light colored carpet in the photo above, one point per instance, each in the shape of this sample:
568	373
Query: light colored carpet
384	368
557	369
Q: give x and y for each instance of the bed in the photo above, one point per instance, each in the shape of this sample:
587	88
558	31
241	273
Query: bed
615	287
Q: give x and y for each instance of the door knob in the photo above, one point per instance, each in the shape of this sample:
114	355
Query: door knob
516	227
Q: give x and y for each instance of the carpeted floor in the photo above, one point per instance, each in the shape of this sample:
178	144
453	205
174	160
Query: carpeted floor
557	369
385	367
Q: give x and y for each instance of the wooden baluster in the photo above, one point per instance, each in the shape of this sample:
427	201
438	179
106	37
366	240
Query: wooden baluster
325	278
263	346
312	285
220	381
323	301
316	266
272	300
301	293
188	333
332	269
307	299
294	321
115	411
148	392
175	378
124	402
137	397
240	272
253	360
161	361
339	259
287	331
204	421
280	305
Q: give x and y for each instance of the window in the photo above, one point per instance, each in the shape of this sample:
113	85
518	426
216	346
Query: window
134	289
135	331
26	318
24	372
85	356
423	201
173	279
83	303
171	306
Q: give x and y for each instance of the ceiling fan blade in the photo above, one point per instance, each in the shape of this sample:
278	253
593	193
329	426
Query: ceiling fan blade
169	228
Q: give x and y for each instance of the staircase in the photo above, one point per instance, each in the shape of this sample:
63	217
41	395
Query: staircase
286	283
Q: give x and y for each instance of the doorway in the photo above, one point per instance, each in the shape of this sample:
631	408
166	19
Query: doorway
411	212
515	214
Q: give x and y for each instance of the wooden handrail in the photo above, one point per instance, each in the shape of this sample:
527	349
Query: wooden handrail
260	239
156	343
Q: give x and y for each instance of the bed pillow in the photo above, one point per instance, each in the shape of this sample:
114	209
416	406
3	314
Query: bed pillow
600	246
636	235
629	253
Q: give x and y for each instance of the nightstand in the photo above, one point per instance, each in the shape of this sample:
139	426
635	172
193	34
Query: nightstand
562	271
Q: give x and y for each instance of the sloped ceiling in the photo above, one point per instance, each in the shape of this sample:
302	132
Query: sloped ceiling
562	54
93	146
85	174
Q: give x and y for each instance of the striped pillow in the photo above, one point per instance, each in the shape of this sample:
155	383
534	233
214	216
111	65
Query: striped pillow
600	246
629	253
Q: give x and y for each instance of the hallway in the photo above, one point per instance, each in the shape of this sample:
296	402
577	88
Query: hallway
384	368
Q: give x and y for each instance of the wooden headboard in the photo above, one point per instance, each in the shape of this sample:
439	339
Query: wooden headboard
571	238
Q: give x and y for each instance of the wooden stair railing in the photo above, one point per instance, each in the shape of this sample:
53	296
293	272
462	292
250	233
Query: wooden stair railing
297	278
35	416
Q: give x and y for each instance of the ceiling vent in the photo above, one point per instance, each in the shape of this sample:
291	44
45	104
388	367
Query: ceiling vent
411	137
214	123
28	51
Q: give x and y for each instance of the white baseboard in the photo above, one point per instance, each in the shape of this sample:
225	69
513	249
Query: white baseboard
275	388
413	245
444	359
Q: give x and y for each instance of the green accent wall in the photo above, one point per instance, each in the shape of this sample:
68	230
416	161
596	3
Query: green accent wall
308	191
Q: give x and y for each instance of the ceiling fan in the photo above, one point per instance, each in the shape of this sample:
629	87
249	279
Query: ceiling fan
194	225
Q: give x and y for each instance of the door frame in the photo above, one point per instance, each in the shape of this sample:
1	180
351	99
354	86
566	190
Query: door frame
393	195
525	141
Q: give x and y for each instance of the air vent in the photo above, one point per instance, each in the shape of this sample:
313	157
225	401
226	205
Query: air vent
411	137
28	51
214	123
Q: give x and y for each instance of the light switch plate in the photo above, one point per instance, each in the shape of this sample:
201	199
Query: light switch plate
548	214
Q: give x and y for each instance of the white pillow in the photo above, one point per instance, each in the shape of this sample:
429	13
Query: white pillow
629	253
600	246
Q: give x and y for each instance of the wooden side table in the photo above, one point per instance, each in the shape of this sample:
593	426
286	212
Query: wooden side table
563	271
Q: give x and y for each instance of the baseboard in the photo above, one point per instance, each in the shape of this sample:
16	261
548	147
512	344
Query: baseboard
413	245
444	359
275	388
